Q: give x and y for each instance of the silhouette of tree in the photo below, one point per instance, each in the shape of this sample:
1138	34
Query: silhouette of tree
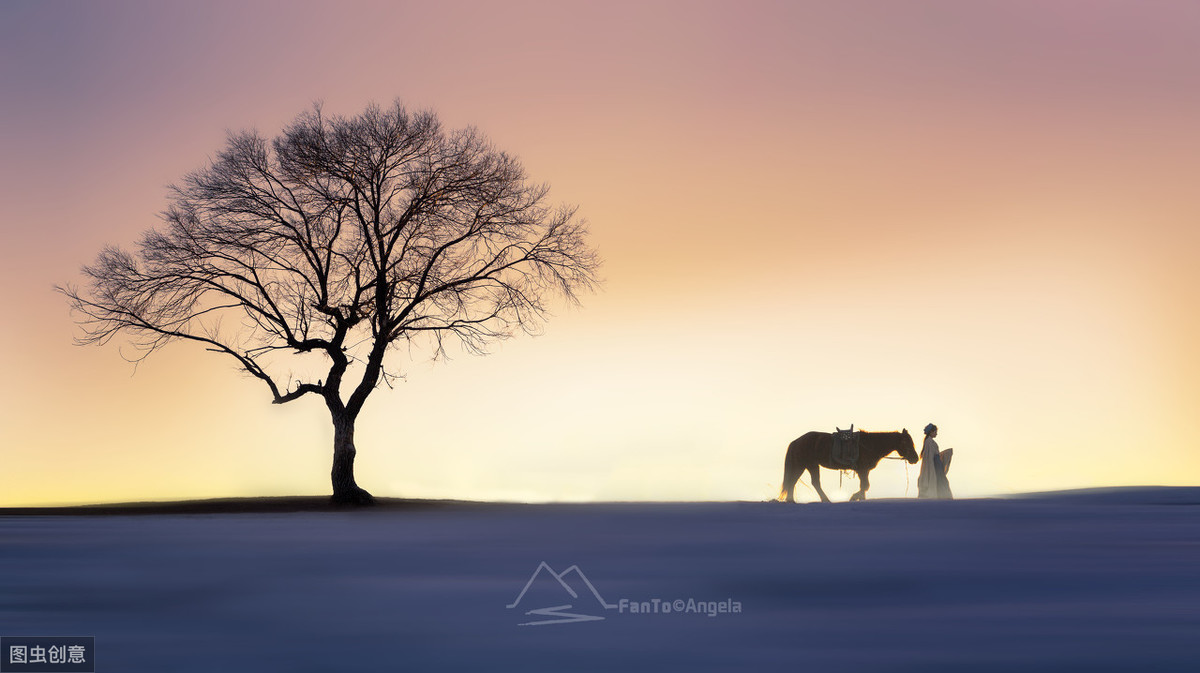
342	238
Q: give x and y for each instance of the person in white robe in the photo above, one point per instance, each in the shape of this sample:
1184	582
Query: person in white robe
932	483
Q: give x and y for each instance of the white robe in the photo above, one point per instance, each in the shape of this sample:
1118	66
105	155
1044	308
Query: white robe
930	484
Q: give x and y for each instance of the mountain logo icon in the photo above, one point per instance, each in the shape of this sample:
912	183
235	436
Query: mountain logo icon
551	588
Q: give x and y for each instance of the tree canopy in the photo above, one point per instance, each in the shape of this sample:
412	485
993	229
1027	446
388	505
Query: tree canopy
343	237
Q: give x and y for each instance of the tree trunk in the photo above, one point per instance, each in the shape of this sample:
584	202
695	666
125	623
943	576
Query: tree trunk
345	491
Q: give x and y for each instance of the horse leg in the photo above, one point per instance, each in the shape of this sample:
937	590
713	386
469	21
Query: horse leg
863	484
814	473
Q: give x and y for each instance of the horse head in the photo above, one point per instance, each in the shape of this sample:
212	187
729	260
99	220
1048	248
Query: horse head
906	448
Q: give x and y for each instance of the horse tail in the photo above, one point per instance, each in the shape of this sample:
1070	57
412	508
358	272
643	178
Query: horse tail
792	469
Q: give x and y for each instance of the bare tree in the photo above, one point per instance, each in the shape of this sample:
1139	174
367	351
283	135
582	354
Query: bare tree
341	240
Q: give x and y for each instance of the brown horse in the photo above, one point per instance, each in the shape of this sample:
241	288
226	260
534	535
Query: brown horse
813	451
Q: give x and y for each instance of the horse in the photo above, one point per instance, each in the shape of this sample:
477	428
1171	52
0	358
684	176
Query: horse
813	450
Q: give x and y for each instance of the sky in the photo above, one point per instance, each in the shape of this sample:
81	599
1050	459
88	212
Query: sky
812	214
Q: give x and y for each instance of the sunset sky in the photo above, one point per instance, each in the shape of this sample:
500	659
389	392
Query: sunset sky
979	214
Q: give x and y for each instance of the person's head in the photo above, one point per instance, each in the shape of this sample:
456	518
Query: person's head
931	430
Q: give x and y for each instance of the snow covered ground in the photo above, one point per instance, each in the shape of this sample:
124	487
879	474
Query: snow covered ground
1089	581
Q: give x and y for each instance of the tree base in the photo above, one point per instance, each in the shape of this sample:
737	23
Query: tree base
355	497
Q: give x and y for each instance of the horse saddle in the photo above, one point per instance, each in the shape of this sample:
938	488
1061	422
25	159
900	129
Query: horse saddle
843	450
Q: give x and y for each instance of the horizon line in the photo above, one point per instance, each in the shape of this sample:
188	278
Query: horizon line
320	502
